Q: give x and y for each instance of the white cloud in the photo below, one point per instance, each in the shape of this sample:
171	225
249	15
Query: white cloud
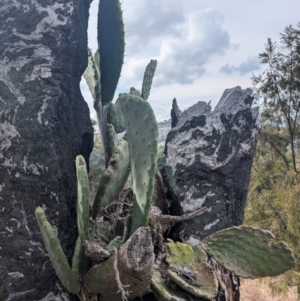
182	56
251	64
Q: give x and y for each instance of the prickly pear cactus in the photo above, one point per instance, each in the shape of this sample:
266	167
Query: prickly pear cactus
113	179
249	252
142	132
83	206
112	46
115	116
189	270
56	253
148	77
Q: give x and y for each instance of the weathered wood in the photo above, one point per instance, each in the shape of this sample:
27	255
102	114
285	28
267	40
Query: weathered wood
208	164
44	124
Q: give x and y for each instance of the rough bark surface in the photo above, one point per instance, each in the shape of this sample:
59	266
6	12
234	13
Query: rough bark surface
208	163
44	124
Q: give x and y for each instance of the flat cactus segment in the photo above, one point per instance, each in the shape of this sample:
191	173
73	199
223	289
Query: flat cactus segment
180	255
248	252
113	179
115	116
79	261
112	46
142	132
148	77
92	75
83	206
185	259
162	292
192	289
111	138
56	254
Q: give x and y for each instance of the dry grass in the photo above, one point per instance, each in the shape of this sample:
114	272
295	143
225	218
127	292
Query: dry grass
255	290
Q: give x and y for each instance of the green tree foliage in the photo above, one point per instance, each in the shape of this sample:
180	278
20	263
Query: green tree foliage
274	192
279	88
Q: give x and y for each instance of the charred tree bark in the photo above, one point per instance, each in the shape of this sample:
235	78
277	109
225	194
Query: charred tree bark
208	164
44	124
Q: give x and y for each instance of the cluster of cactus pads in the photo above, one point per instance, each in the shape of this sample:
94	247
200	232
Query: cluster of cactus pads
114	255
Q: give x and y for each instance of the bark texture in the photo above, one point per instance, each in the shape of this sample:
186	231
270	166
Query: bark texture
44	124
208	163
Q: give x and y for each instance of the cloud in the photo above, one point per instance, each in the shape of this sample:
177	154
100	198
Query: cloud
251	64
182	59
147	20
182	56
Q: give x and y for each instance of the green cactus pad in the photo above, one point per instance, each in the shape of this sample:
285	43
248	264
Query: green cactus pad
83	206
181	255
142	132
79	261
162	292
196	290
113	179
56	254
248	252
92	75
111	139
115	116
148	77
112	46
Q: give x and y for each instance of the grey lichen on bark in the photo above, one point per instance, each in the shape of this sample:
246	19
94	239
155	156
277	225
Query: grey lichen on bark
44	124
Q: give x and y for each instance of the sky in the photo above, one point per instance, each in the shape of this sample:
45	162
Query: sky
202	47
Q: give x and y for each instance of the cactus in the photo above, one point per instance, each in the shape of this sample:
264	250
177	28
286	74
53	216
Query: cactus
183	260
162	292
141	128
56	254
112	46
111	138
83	206
113	179
148	77
248	252
134	261
127	261
80	264
115	116
181	255
92	75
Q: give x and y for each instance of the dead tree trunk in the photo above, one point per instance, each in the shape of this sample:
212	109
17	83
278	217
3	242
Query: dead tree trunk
44	124
208	164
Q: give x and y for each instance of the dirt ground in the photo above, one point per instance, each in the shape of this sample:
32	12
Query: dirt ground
254	290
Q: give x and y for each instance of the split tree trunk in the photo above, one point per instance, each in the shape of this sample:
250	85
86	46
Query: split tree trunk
44	124
209	156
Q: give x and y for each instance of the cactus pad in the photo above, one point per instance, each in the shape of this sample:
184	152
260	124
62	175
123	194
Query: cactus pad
200	280
112	46
162	292
180	255
113	179
83	206
111	139
92	75
148	77
248	252
142	135
115	116
56	253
